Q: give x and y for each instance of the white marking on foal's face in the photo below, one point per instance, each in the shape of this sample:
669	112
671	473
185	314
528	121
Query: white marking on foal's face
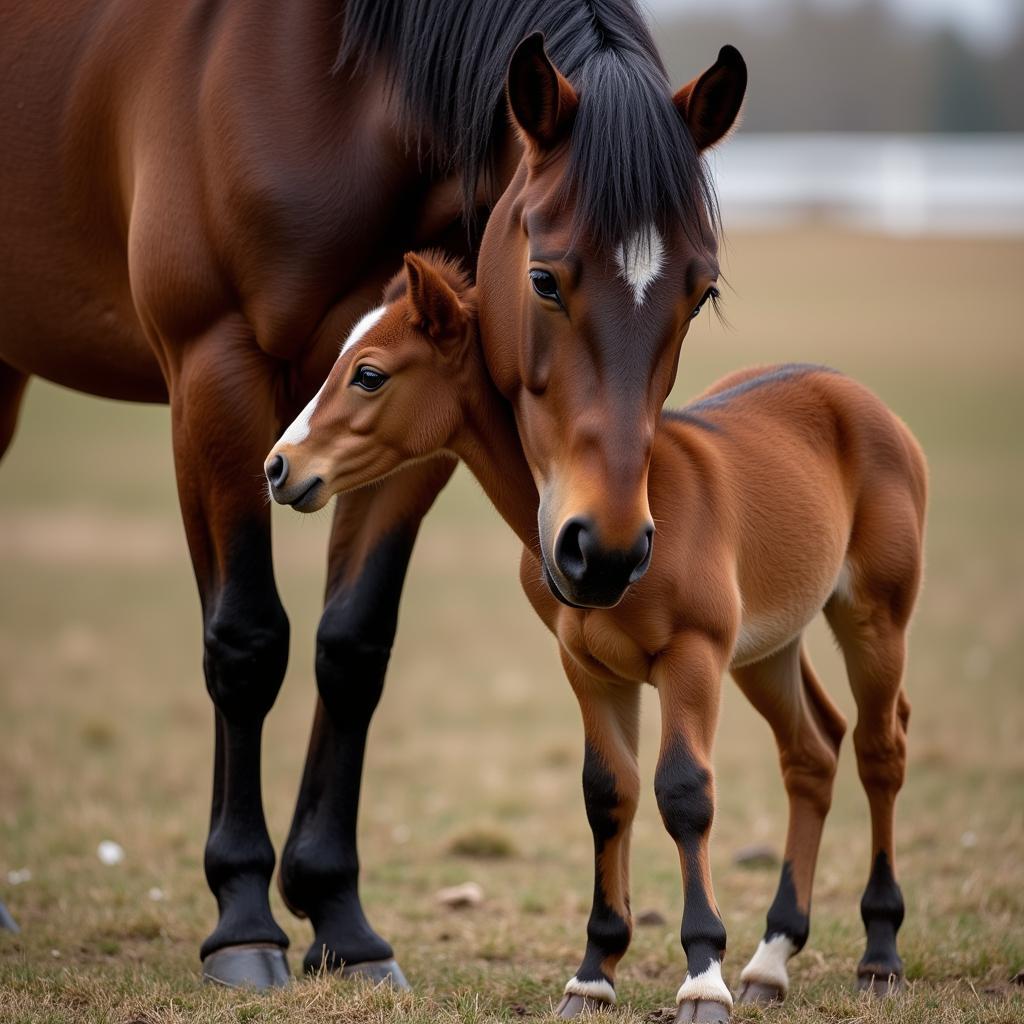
299	429
362	328
640	262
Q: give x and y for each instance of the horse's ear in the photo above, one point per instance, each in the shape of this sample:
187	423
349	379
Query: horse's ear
436	309
542	101
711	103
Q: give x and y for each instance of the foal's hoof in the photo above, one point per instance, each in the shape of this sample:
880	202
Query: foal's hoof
7	923
379	972
756	993
702	1011
260	965
880	985
573	1005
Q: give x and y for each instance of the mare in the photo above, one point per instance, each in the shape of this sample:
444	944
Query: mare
199	198
779	493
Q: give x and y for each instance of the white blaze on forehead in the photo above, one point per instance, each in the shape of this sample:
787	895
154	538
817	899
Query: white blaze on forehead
362	328
640	261
299	430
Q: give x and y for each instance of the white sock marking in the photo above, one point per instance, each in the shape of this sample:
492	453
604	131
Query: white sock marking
768	964
595	989
707	985
640	262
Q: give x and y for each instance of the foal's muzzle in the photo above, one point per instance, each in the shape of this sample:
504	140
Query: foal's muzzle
593	576
302	495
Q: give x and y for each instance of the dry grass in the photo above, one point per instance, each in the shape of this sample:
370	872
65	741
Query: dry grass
105	725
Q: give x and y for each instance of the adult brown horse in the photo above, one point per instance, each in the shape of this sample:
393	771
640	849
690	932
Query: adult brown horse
200	199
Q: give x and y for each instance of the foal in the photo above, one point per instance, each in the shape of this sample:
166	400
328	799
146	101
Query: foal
777	494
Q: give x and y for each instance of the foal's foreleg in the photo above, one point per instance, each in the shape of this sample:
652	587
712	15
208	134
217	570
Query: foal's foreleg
808	729
688	677
371	540
222	406
611	788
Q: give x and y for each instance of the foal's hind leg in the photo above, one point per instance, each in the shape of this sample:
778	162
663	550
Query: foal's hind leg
808	730
12	390
870	623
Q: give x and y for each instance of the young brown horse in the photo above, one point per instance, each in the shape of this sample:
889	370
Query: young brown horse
778	494
197	198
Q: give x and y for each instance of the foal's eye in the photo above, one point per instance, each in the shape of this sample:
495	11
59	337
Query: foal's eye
545	285
369	379
712	293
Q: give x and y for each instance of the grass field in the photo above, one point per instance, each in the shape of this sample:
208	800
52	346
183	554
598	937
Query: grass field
105	728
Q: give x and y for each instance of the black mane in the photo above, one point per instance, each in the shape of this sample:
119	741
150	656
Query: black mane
632	160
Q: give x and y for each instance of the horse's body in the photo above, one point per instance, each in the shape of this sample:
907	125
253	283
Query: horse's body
777	494
198	199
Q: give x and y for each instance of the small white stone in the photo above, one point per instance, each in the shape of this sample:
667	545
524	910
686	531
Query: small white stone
19	876
969	840
55	953
469	894
110	853
156	894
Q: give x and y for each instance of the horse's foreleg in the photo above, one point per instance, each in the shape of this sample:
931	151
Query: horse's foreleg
12	390
808	729
688	677
611	789
221	392
371	541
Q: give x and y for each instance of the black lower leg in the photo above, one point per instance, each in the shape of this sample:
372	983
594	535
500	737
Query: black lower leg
320	864
881	909
608	929
784	915
246	651
685	799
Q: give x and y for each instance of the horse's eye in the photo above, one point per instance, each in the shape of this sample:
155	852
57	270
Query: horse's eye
545	285
369	379
712	293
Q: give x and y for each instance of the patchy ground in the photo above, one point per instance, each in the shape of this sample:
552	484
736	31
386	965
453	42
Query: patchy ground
105	728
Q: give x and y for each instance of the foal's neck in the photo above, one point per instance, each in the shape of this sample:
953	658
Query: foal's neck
489	445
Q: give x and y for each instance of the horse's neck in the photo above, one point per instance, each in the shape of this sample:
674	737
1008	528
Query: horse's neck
489	445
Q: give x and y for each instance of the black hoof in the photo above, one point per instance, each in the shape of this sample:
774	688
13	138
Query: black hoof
756	993
880	985
380	972
573	1005
7	923
256	966
703	1011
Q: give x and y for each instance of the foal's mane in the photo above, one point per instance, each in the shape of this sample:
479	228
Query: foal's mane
632	160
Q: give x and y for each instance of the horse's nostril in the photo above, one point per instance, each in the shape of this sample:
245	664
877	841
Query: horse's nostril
575	543
277	470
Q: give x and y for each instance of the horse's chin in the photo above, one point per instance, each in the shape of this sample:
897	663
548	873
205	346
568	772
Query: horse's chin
571	599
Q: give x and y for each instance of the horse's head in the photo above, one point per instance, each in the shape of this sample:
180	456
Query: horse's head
593	263
394	395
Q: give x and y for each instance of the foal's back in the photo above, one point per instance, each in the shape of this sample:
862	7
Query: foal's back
800	477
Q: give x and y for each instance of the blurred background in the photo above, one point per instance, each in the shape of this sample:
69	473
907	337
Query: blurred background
874	210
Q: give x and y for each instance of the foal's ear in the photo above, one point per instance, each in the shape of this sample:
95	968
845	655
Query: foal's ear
711	103
542	101
436	309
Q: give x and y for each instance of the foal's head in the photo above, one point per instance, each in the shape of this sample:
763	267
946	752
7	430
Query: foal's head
394	395
593	263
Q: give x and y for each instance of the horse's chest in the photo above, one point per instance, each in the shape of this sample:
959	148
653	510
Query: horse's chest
598	644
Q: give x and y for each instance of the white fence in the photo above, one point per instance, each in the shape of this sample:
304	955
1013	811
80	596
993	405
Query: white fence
898	184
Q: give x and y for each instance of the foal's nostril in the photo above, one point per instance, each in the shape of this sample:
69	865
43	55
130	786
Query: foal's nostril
573	547
277	470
